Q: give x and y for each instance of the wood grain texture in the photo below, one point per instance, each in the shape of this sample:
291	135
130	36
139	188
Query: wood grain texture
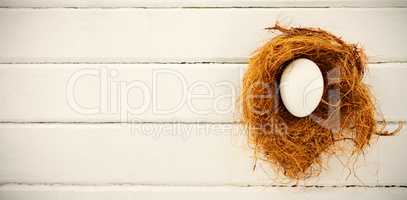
200	3
151	92
169	154
184	35
14	192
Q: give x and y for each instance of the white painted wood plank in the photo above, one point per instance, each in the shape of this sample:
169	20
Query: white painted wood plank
50	97
16	192
156	92
166	35
201	3
167	154
385	81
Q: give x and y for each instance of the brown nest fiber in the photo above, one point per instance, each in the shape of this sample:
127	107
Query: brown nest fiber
346	113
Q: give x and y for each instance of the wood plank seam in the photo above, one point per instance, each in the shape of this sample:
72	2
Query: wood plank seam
159	62
401	122
8	184
402	5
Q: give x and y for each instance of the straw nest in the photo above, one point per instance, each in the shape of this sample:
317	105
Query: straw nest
346	114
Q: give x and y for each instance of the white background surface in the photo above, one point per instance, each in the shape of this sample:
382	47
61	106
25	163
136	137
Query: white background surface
52	149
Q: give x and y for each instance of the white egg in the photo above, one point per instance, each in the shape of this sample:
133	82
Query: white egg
301	87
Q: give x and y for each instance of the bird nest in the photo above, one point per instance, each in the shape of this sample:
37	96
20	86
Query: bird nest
346	113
